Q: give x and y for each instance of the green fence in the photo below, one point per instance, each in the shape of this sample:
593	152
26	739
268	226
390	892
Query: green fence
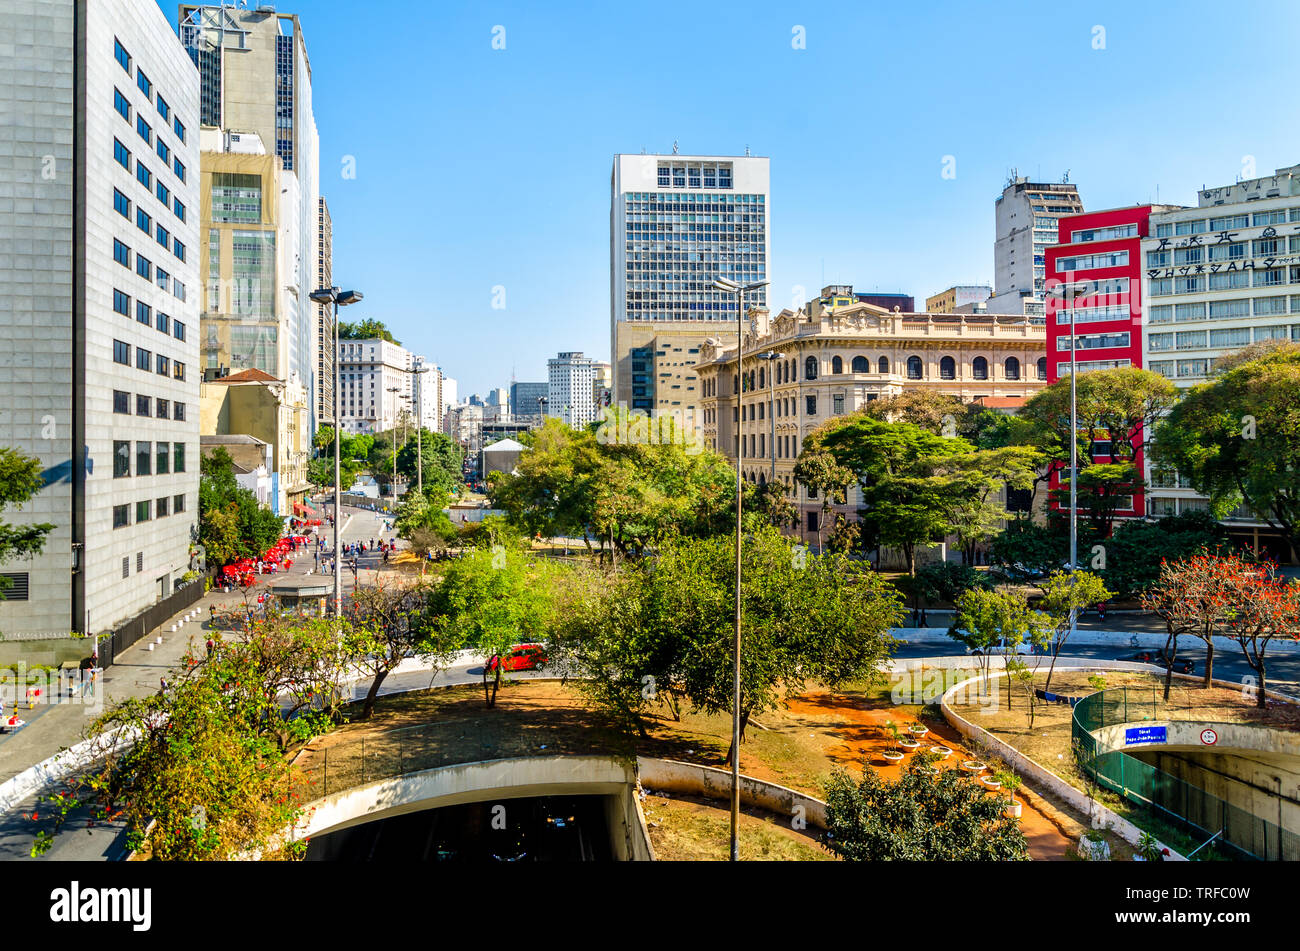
1170	803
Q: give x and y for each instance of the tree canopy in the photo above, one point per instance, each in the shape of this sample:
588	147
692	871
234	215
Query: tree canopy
366	330
232	524
20	481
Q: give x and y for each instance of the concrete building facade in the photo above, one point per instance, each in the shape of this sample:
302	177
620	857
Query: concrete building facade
959	295
369	372
99	297
1026	221
325	352
570	380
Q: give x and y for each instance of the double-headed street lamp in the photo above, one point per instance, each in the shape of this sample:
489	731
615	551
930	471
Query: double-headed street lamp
393	442
333	296
740	290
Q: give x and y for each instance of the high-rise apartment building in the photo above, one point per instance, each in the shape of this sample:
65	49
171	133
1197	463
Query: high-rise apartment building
569	389
677	223
324	315
255	78
99	291
375	385
1026	216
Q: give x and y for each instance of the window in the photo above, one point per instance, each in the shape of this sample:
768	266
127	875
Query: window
122	303
126	567
1270	333
947	368
121	459
1230	222
121	253
178	249
1229	308
1270	217
122	154
143	221
1190	227
178	330
1011	368
1042	368
163	322
179	169
1192	367
163	236
143	312
121	55
164	110
161	455
143	512
162	405
914	368
1161	314
164	365
1229	280
837	404
980	368
122	105
178	503
143	359
1184	312
142	81
179	290
860	365
164	279
1188	255
179	128
121	516
1227	251
1190	340
178	412
164	195
144	267
837	365
121	402
1234	337
142	407
810	368
160	507
144	130
811	405
178	457
178	370
179	208
143	458
121	204
1269	306
121	353
1272	277
883	364
1189	285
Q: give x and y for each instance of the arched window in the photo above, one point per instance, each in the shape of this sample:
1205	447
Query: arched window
861	365
761	410
735	382
914	368
883	365
1042	368
837	365
947	369
980	368
810	368
1012	368
762	380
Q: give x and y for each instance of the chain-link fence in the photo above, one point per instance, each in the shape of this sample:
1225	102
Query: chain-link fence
1170	804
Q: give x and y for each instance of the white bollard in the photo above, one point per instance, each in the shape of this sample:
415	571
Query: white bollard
173	628
148	647
159	640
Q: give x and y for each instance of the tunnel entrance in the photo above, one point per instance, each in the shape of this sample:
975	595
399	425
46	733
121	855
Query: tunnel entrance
538	829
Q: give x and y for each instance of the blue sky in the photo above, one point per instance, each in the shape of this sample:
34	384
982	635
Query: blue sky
478	167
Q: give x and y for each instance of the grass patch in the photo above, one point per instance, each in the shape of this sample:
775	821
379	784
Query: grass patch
683	830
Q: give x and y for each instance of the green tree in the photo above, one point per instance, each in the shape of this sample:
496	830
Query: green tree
366	330
998	622
492	599
819	471
1237	438
1115	412
804	618
921	817
443	460
1065	594
20	481
232	524
1138	547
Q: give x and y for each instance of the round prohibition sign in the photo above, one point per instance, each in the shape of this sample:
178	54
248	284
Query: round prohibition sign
1209	737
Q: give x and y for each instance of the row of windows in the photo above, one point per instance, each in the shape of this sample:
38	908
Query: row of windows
143	312
1227	222
143	221
1094	341
147	360
1225	337
1084	262
1224	309
1104	234
146	510
146	86
1199	283
122	155
150	458
1225	251
147	406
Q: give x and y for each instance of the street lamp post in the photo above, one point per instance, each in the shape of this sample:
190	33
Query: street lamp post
392	441
1074	465
419	428
332	296
731	287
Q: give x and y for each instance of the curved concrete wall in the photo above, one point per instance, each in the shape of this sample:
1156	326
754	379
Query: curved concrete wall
1185	736
710	783
491	780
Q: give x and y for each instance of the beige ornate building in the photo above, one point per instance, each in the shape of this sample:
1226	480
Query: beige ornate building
804	367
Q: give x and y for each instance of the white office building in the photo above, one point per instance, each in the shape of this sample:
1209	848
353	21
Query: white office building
1218	277
375	385
570	378
677	223
99	297
1026	216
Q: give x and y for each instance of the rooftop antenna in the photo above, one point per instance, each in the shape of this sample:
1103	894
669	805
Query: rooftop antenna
747	151
1065	179
674	146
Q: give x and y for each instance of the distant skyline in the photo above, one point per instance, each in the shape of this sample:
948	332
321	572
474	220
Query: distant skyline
482	175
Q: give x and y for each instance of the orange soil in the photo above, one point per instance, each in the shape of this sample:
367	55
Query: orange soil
862	735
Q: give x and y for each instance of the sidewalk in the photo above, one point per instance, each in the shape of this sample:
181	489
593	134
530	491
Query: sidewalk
137	670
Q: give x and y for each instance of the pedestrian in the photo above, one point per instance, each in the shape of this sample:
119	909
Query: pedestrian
210	646
162	682
317	560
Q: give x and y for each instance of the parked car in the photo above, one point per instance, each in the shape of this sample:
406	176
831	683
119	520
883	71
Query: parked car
1024	649
519	657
